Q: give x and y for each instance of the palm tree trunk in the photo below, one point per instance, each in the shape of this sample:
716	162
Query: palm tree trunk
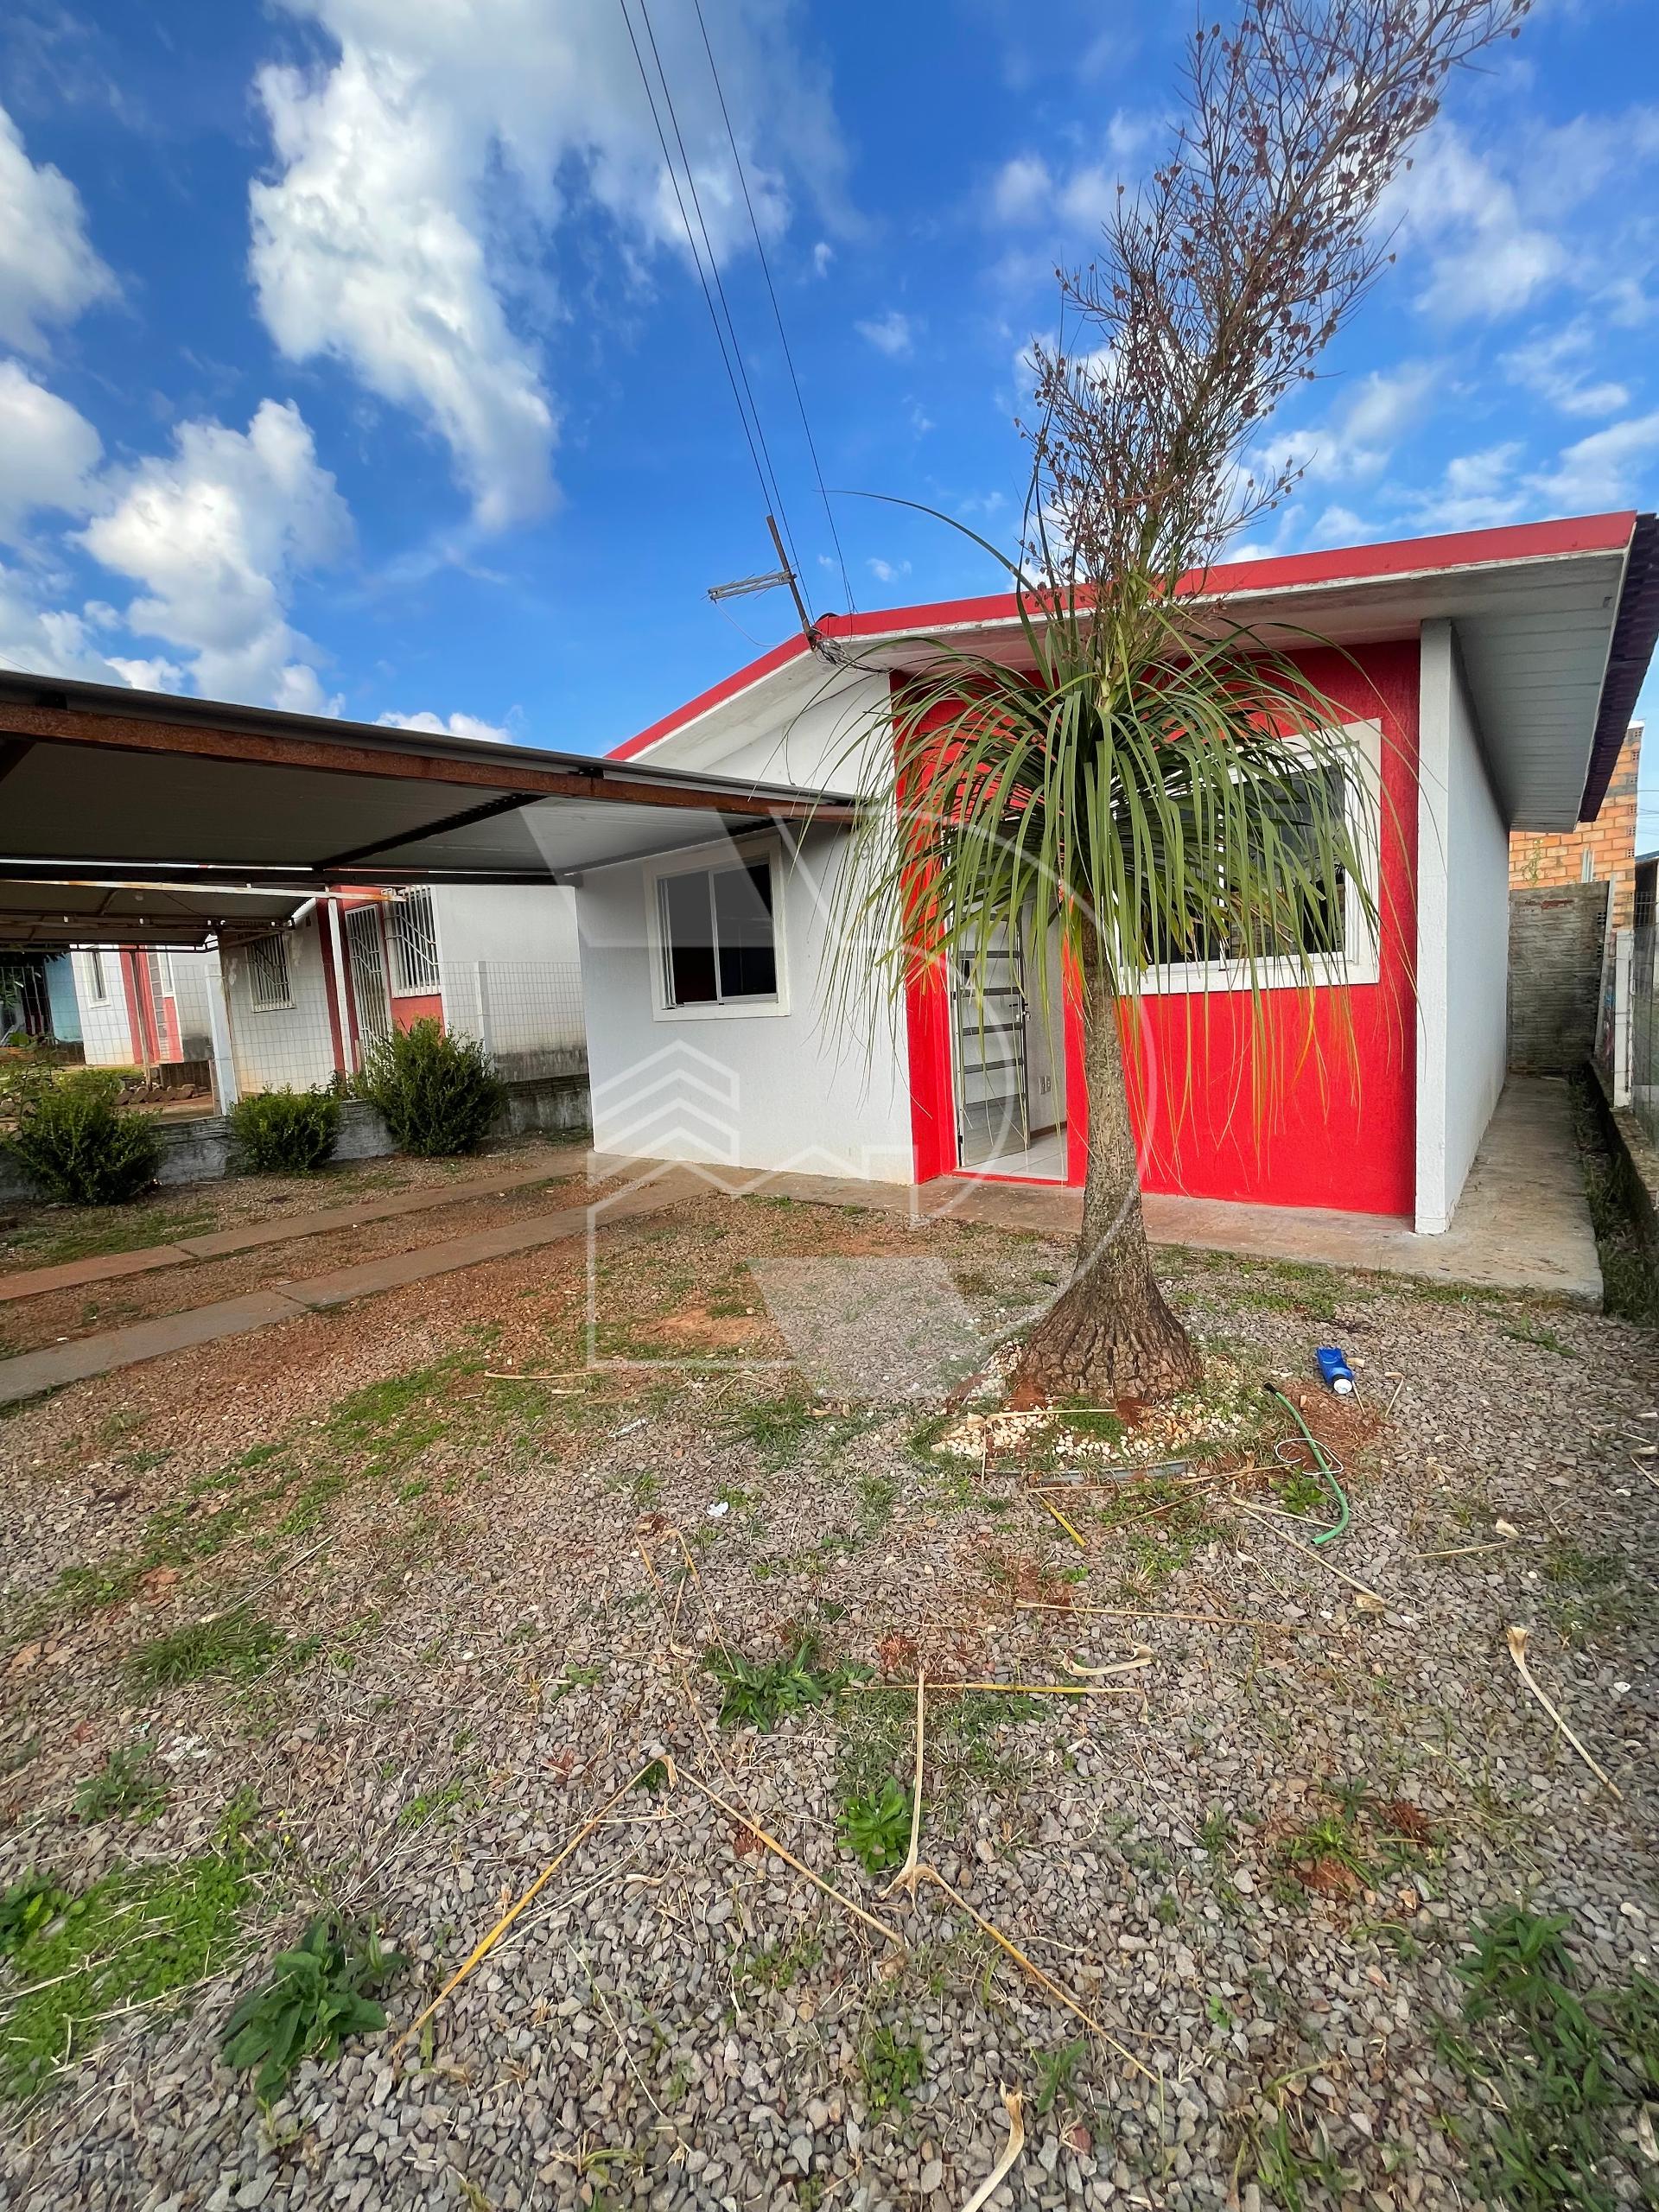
1109	1335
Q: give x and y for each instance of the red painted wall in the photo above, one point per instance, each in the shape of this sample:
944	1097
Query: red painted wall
1342	1131
418	1006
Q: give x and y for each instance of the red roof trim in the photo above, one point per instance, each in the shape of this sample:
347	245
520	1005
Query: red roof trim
1408	556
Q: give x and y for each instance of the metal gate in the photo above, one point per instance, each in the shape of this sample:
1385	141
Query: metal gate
988	1032
368	966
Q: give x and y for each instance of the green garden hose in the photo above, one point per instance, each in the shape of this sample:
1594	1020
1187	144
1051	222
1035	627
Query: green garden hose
1325	1536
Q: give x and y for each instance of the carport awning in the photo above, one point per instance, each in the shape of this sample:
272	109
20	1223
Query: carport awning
48	914
100	783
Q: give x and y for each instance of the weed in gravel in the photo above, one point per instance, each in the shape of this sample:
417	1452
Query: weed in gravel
1215	1831
430	1804
891	2069
127	1784
760	1692
315	1995
140	1935
1303	1493
779	1965
1288	2156
777	1427
1561	2073
877	1495
26	1908
237	1644
1057	2073
1584	1596
876	1824
1098	1424
1546	1339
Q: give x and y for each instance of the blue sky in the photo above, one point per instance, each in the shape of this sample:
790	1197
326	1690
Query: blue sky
350	359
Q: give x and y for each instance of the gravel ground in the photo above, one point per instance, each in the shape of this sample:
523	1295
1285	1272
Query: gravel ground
507	1629
57	1316
42	1236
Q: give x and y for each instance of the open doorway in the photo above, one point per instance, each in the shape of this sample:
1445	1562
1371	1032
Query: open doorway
1008	1035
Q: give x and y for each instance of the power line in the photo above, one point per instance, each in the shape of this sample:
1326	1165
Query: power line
766	490
776	313
737	369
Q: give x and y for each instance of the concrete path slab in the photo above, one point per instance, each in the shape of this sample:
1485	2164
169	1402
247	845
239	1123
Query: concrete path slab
1522	1223
221	1243
33	1372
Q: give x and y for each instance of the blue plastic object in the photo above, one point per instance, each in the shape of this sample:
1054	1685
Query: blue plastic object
1334	1367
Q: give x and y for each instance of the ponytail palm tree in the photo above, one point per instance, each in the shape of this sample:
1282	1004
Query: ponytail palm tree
1144	776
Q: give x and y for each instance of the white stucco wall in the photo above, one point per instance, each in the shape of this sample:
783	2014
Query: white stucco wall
105	1034
276	1045
1463	934
789	1090
529	997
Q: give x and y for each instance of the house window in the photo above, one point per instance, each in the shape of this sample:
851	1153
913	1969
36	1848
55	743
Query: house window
268	985
98	984
719	940
412	934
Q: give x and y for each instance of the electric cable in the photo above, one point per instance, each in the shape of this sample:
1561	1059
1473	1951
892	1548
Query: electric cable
777	312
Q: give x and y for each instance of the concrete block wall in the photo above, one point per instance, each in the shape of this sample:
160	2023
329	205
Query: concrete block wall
199	1149
1601	851
1555	948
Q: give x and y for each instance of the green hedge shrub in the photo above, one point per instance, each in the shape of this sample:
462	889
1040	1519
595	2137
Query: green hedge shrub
72	1135
439	1094
284	1132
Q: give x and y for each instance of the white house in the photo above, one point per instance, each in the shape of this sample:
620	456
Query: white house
1487	679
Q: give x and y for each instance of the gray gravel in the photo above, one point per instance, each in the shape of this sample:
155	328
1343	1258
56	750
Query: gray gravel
680	2019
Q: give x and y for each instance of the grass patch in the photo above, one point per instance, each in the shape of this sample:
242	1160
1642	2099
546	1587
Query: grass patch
237	1645
1560	2073
1546	1339
140	1935
126	1785
777	1427
779	1965
1585	1596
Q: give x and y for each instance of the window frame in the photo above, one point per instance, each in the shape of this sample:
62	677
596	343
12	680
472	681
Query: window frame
98	984
1359	962
712	860
396	909
277	942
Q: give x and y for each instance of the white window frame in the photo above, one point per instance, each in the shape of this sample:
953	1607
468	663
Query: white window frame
98	984
703	860
396	944
1360	960
279	944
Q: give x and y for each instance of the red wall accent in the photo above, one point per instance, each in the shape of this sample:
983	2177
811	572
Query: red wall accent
418	1006
932	1108
1343	1130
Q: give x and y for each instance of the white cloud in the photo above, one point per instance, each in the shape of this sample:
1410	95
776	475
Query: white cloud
445	148
892	334
1598	472
48	451
1557	365
1022	190
1477	491
49	272
456	725
214	536
822	255
888	572
1360	435
1026	192
1486	257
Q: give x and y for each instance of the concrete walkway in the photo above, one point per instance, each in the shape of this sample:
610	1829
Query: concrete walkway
107	1267
33	1372
1522	1225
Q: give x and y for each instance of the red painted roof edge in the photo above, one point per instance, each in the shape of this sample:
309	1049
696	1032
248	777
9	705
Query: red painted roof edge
1465	549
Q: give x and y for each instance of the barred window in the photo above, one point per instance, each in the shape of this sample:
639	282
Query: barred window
268	984
412	934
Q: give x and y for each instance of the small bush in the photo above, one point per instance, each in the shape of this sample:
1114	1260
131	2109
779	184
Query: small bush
439	1094
126	1783
70	1134
876	1828
315	1995
284	1132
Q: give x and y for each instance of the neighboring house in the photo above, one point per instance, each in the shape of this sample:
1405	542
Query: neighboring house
1488	679
1601	851
498	961
142	1008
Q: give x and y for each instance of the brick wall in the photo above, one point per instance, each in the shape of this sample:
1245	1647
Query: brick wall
1555	940
1609	842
